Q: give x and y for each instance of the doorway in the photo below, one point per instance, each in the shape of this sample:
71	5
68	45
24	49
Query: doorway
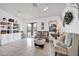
31	30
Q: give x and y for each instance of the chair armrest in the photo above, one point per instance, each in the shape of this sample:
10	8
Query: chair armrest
58	42
61	45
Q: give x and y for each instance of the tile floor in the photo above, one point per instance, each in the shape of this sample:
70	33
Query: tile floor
25	47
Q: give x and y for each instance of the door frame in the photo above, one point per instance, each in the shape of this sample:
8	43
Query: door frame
32	24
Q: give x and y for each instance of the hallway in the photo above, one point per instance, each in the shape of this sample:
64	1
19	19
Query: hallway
25	47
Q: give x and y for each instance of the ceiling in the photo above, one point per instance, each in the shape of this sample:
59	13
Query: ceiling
30	11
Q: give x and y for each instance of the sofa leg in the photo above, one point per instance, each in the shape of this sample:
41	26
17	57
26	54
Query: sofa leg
55	53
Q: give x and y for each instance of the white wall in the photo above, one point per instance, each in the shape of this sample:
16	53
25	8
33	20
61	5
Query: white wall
73	27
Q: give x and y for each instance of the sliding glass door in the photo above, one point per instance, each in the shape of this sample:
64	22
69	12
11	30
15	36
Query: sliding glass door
31	30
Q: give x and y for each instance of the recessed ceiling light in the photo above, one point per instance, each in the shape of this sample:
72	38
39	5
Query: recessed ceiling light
46	8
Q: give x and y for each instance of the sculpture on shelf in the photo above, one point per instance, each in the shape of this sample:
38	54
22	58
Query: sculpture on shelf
11	20
4	19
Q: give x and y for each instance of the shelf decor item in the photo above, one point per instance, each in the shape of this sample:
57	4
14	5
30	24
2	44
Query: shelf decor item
8	31
4	19
3	31
68	17
3	26
11	20
8	27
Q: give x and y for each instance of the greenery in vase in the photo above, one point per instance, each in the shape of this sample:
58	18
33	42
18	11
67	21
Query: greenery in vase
68	17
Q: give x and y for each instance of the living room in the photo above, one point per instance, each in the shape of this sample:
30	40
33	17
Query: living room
54	32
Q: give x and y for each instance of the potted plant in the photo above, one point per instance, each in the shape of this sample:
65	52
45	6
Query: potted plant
68	17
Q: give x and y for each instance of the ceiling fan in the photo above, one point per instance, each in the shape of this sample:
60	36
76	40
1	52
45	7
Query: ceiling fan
35	5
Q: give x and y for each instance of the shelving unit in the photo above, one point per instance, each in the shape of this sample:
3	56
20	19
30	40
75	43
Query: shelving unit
16	28
9	31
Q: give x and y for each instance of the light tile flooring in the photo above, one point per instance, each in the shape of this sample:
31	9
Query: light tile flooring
25	47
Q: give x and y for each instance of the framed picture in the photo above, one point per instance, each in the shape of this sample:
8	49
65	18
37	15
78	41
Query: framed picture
52	28
42	26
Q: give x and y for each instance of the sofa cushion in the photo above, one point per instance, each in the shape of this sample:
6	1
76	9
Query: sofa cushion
39	41
69	39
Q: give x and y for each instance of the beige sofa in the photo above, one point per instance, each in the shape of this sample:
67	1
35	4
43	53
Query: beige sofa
43	35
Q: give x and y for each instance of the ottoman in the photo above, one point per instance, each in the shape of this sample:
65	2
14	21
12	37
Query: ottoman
39	42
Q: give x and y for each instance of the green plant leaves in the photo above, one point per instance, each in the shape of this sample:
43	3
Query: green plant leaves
68	17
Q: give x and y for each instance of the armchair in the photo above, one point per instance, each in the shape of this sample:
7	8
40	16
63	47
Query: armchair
64	48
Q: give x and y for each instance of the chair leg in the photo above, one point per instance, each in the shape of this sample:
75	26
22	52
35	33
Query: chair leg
55	53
